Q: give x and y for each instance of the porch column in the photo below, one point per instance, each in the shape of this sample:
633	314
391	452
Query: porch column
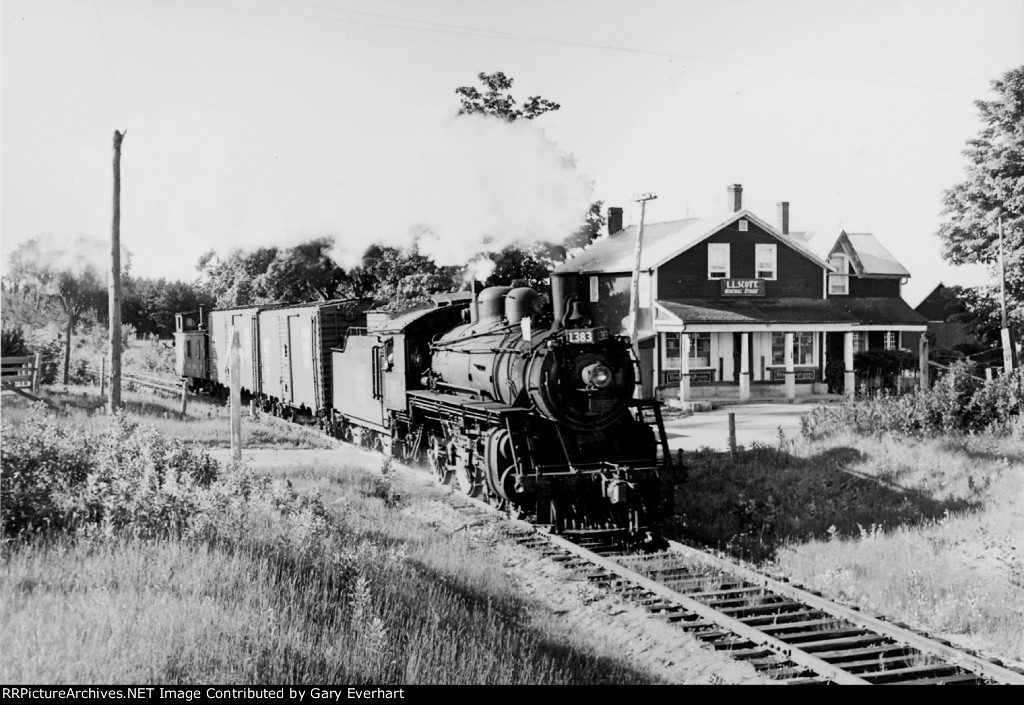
744	366
684	367
790	372
923	361
849	383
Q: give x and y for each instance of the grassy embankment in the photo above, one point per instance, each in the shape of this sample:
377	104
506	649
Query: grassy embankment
141	561
917	519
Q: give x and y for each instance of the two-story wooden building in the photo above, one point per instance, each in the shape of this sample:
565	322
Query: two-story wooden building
732	306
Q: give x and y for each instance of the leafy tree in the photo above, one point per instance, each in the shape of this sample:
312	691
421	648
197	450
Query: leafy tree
230	281
149	305
64	273
389	272
993	192
302	273
530	265
498	102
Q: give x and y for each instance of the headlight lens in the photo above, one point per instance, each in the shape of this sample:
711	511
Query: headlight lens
597	375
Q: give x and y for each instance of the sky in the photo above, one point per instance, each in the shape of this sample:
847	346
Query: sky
253	123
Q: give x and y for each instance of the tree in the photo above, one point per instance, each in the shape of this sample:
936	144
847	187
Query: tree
230	280
498	102
389	272
66	272
149	305
992	193
530	265
305	272
296	274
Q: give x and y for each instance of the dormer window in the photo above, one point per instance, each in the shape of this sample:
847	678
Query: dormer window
765	262
839	283
718	260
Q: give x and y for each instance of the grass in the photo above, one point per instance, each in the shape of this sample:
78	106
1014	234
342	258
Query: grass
206	420
358	592
926	531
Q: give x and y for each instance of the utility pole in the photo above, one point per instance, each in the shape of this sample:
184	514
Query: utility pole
236	396
634	294
114	297
1004	328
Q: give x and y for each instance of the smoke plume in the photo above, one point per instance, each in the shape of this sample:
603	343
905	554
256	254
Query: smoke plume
467	185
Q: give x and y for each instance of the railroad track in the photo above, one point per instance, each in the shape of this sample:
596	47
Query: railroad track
784	631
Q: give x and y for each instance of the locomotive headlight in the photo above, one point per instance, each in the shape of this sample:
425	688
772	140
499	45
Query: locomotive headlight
597	375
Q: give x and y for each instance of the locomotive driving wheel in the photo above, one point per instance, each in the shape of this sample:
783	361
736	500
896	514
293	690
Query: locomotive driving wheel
437	456
467	474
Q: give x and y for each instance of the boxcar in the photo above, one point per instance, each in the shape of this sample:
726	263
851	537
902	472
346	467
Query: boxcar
221	324
295	345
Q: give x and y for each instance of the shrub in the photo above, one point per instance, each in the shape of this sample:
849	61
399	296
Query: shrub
958	403
132	479
884	365
12	342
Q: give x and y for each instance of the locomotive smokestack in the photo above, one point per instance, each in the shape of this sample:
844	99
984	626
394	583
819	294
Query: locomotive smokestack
474	307
478	270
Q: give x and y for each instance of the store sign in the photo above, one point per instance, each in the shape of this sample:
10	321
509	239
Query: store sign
673	376
804	375
742	287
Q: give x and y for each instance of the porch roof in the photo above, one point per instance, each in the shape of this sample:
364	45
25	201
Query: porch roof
854	312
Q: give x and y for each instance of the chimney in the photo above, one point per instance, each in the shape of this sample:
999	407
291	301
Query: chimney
735	201
783	207
614	220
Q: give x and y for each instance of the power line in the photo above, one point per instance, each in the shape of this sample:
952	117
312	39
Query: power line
106	53
422	25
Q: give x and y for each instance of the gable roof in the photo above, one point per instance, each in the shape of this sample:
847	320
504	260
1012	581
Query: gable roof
664	241
941	304
867	255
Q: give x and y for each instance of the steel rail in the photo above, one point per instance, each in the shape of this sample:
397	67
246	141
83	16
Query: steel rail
950	654
823	668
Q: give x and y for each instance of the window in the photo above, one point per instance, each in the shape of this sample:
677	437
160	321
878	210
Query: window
857	343
891	340
839	283
718	261
700	350
188	348
743	225
765	256
803	348
672	351
593	289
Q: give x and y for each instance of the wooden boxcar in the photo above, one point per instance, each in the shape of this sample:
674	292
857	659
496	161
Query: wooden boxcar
221	324
295	345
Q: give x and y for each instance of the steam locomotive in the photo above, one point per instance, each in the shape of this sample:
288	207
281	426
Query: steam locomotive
540	421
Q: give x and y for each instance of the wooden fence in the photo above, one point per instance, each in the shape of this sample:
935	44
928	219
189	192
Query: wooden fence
158	384
21	375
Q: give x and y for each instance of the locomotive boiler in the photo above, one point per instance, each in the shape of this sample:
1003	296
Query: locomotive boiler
540	420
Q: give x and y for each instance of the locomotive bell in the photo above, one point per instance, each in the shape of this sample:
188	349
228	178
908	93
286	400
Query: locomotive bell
578	317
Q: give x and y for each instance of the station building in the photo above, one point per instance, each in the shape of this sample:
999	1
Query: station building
731	306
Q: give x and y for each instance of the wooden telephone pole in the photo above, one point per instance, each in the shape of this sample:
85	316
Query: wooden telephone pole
634	294
114	398
1004	328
